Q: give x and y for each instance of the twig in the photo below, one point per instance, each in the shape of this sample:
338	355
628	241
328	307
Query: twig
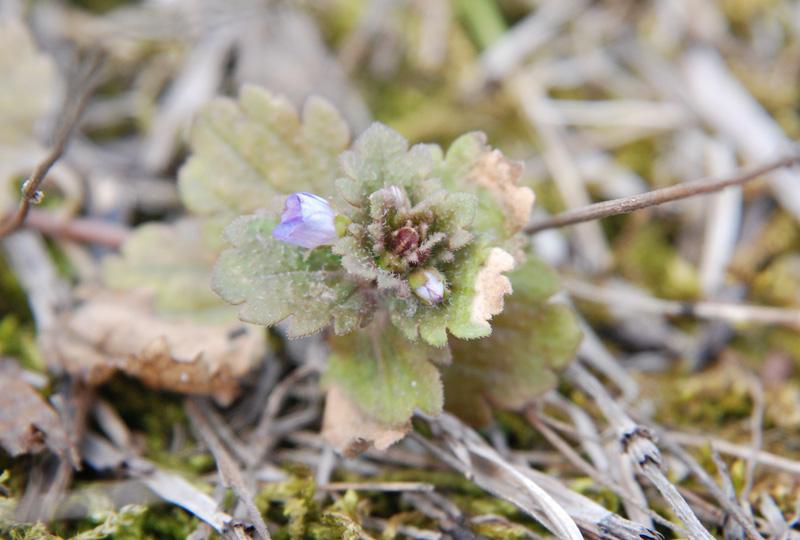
88	230
30	189
658	196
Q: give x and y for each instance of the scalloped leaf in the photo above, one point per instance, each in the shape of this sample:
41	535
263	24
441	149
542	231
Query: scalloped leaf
476	294
244	152
272	281
381	157
471	165
178	277
531	341
385	378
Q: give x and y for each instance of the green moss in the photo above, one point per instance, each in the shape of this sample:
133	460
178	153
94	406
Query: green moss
703	401
12	298
157	415
483	20
638	156
602	495
646	255
521	434
18	341
501	531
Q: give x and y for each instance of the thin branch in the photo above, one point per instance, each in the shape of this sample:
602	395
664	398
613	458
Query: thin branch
30	189
85	230
658	196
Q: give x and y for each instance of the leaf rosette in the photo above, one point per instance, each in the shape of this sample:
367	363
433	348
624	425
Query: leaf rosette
403	255
397	238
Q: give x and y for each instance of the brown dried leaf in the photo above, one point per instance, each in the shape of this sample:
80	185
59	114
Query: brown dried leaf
350	431
28	424
120	331
500	176
491	286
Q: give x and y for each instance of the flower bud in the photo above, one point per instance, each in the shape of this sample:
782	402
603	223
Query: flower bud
428	285
307	221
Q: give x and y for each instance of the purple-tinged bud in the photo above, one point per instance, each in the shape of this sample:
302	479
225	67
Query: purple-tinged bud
307	221
428	285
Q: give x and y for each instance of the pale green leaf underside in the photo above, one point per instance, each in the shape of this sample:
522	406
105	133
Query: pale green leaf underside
247	151
386	375
271	281
174	262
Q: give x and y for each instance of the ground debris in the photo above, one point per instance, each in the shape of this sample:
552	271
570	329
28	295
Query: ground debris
28	424
110	331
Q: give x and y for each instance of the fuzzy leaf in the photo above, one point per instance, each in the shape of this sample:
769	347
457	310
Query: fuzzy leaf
247	151
178	277
272	280
477	288
381	157
531	340
385	374
471	165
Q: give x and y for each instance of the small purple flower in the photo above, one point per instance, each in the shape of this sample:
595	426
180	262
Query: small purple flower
428	285
307	221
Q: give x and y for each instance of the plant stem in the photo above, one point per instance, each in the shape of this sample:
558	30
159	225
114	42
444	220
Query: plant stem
659	196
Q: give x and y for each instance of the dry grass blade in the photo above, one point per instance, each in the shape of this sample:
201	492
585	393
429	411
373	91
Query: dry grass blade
725	501
624	298
229	471
464	450
638	445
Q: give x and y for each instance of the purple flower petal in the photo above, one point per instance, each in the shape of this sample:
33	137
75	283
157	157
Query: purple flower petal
428	285
307	221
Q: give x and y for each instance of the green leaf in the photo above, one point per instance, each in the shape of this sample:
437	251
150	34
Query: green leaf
272	280
178	276
381	157
245	152
386	375
472	166
476	287
530	342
